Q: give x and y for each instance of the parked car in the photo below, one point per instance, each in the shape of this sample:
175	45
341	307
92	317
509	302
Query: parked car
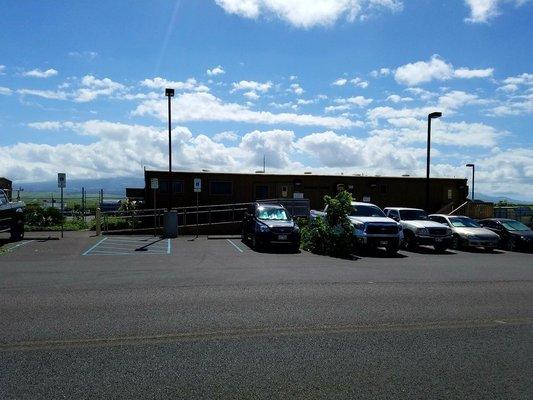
514	234
418	229
467	232
372	228
268	224
11	217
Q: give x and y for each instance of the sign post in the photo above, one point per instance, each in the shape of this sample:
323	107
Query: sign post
197	189
154	185
62	183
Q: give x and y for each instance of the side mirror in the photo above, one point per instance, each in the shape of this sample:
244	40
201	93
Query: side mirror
396	218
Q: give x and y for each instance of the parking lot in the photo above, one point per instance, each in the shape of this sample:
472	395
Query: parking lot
211	318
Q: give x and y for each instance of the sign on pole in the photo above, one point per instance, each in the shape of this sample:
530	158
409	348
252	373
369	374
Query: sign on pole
197	185
61	180
154	183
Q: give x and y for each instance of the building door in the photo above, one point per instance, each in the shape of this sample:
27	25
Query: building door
283	190
260	192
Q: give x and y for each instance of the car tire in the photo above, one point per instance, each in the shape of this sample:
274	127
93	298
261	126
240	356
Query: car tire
16	234
489	249
440	248
456	242
295	248
392	249
511	244
409	240
255	243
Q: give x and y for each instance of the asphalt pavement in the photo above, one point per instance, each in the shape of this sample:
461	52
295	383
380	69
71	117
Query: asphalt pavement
214	319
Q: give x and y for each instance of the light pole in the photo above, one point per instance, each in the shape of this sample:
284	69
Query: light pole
473	177
169	93
431	116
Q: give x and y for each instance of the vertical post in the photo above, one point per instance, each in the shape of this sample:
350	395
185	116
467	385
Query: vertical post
83	203
98	222
427	163
62	212
473	181
169	93
155	217
197	225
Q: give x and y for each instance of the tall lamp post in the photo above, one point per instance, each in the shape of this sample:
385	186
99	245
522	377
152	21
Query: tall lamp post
473	177
431	116
169	93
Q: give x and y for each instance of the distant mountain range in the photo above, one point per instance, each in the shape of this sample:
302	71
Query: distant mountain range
497	199
114	186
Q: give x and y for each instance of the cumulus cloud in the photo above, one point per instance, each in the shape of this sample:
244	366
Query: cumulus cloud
485	10
436	68
162	83
37	73
297	89
5	91
307	14
218	70
206	107
252	85
226	136
340	82
359	101
45	94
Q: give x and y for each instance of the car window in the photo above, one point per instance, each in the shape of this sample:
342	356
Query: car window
366	211
515	226
271	214
3	198
413	215
464	222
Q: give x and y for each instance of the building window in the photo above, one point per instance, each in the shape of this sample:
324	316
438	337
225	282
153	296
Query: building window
177	186
220	188
261	192
383	189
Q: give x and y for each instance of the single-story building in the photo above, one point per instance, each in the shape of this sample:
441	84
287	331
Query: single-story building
230	188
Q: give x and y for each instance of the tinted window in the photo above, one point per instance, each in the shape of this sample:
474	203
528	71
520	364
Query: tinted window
514	226
221	188
177	186
366	211
464	222
3	198
413	215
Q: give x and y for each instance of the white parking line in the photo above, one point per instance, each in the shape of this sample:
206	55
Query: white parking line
93	247
18	245
234	245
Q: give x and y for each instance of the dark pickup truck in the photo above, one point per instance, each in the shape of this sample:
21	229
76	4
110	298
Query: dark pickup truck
11	217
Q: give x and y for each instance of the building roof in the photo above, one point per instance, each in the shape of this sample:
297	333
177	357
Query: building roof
299	175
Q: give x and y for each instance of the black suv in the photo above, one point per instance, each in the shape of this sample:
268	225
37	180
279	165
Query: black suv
268	223
514	234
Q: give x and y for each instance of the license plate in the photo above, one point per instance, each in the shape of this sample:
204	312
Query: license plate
282	237
438	240
383	243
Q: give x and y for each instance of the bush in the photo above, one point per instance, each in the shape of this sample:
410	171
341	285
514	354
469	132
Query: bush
38	216
332	235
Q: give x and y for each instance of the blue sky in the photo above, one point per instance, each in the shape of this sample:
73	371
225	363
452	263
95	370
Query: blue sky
329	86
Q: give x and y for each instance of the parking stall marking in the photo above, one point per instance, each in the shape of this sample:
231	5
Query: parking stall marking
234	245
129	246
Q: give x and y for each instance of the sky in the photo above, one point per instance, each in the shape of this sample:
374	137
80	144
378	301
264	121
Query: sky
327	86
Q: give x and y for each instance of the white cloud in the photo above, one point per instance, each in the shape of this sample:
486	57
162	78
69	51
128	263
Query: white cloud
524	79
218	70
484	10
380	73
37	73
162	83
307	14
340	82
46	94
359	83
398	99
47	125
2	69
297	89
93	87
226	136
5	91
465	73
89	55
359	101
206	107
251	95
436	68
252	85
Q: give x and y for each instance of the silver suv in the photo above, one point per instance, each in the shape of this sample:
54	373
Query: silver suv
418	229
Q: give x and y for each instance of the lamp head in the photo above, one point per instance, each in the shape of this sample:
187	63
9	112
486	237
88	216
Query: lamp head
436	114
470	165
169	92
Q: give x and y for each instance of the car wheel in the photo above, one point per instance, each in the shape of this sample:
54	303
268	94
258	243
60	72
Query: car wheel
441	248
489	249
295	247
255	243
16	233
456	242
408	240
511	244
392	249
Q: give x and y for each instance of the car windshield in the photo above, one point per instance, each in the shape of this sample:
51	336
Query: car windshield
272	213
413	215
366	211
464	222
514	226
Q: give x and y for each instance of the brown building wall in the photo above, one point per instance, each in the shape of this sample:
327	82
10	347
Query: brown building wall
382	191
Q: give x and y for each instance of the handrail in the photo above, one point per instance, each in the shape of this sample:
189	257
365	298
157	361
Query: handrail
458	208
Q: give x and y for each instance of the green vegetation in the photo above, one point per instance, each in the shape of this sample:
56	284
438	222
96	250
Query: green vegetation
38	218
332	235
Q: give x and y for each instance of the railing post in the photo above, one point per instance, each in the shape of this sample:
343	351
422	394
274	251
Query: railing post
98	221
185	216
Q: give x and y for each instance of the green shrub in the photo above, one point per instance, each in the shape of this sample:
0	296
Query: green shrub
332	235
35	215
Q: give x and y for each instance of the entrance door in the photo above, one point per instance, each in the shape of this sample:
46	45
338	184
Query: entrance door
261	192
